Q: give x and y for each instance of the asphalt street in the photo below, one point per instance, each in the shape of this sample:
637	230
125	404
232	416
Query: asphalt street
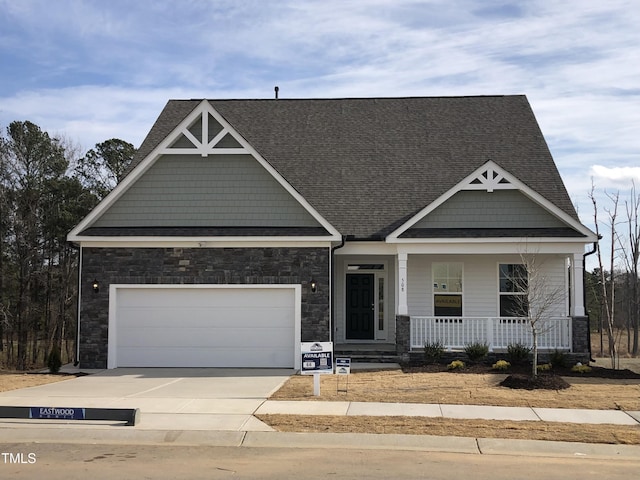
97	462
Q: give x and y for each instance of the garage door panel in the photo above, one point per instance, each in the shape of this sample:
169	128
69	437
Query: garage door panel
205	337
202	297
205	326
170	317
175	357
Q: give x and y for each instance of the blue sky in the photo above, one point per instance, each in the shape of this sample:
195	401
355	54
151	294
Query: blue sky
93	70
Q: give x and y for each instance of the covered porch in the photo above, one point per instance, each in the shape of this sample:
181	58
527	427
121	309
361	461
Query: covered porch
459	299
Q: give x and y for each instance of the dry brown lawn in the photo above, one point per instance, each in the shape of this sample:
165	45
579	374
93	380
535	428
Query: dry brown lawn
13	381
458	389
561	432
462	389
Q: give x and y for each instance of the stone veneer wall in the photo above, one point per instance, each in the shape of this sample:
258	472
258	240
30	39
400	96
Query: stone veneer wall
580	337
198	266
403	336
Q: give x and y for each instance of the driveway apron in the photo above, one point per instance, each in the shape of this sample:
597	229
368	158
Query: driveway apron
168	398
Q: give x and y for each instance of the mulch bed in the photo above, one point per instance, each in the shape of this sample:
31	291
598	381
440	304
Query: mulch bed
520	376
542	381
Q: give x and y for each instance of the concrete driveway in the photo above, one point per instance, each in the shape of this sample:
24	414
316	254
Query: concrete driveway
168	398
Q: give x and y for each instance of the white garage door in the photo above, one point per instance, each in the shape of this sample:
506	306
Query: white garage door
203	327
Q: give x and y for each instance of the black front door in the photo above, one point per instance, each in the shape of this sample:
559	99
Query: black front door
360	307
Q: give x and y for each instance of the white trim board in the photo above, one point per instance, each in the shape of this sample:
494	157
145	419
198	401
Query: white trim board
204	242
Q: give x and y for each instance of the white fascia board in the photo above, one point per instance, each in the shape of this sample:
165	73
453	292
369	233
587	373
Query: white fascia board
367	248
201	110
393	237
497	240
517	246
203	242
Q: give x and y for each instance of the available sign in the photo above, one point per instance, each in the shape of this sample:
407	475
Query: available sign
58	413
317	357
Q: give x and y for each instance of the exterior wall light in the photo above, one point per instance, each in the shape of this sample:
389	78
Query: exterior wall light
96	286
314	286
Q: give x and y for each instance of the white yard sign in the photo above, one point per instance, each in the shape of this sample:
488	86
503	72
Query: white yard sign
317	359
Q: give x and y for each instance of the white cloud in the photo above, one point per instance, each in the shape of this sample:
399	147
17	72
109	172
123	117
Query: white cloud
622	176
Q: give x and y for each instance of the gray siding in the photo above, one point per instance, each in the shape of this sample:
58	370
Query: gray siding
481	209
195	191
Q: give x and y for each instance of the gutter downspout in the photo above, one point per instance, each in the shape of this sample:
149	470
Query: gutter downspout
332	289
77	361
584	293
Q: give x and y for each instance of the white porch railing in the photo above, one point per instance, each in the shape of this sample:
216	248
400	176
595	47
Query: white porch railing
498	332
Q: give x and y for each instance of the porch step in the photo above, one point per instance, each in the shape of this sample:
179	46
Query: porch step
368	356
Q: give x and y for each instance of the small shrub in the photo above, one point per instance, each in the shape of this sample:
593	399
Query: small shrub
456	365
501	365
518	353
54	361
545	367
476	351
579	368
558	359
433	351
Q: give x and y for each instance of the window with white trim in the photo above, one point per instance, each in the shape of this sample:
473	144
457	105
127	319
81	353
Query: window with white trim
447	289
514	284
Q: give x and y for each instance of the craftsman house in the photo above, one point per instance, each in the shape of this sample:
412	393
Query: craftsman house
245	227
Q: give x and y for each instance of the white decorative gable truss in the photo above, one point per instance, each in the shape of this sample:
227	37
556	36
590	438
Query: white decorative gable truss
489	178
203	132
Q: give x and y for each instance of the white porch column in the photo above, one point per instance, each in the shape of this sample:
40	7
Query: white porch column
403	306
577	292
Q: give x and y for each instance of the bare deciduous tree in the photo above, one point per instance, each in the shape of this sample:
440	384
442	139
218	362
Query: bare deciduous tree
539	302
630	253
607	295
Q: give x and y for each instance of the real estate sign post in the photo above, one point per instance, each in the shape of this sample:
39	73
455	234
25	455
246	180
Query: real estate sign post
317	359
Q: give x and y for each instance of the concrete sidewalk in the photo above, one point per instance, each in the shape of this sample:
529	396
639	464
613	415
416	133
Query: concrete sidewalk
614	417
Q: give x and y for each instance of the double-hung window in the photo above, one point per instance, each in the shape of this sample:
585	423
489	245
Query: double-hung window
447	289
514	285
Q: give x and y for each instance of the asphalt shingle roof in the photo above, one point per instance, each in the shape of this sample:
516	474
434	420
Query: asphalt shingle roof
369	164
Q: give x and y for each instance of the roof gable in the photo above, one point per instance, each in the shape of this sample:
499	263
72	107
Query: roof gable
517	208
230	186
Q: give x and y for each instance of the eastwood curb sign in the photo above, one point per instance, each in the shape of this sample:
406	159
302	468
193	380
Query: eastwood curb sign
57	413
130	416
